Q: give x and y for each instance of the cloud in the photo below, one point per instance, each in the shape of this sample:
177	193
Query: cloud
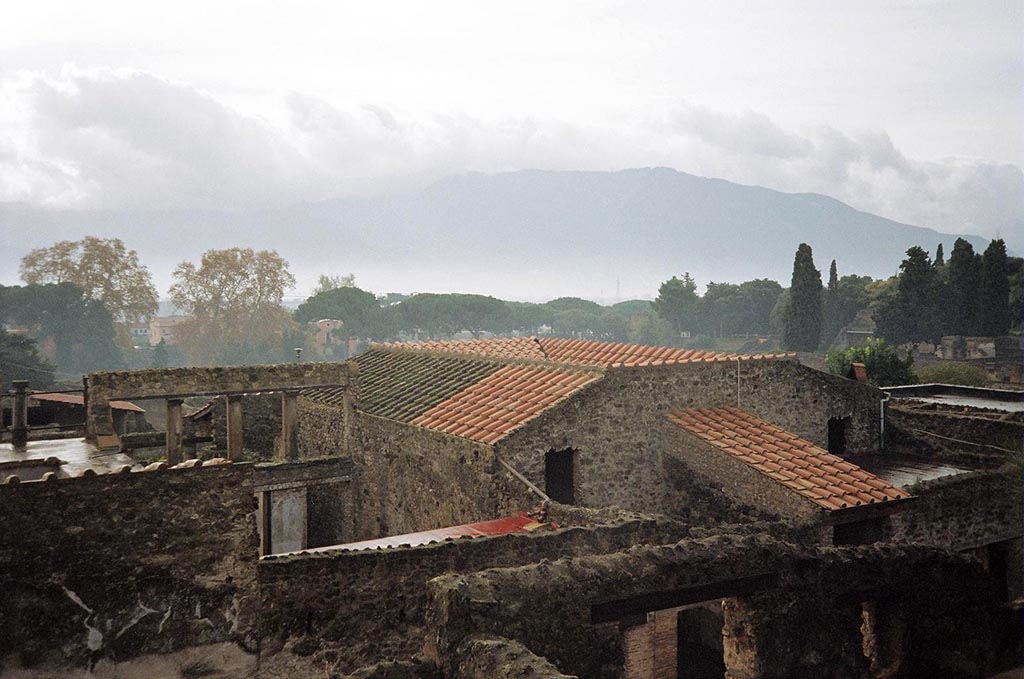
117	139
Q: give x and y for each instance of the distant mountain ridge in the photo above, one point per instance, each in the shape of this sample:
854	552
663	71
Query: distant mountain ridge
498	233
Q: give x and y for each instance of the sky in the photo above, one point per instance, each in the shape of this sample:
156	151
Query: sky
909	109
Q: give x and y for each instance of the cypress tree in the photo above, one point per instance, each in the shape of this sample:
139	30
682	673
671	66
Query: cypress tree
939	259
803	318
832	319
995	290
964	287
915	296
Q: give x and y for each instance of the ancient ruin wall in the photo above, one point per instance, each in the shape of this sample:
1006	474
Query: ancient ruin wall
805	622
717	469
409	479
123	564
102	387
964	511
613	423
372	603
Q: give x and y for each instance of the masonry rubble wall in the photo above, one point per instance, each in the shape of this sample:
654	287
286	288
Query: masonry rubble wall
409	479
1002	431
102	387
372	602
965	511
613	422
807	624
119	565
489	657
717	469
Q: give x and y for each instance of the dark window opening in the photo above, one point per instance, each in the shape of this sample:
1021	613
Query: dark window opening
865	532
700	651
837	435
998	569
559	476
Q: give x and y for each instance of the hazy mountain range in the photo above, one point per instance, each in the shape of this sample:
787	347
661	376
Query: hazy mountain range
518	235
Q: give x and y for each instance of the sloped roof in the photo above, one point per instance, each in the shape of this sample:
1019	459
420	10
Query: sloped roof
503	401
476	398
400	385
576	352
824	479
79	400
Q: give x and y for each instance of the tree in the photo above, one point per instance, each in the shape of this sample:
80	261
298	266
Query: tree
802	322
234	300
995	290
327	283
912	313
1016	267
20	360
940	261
677	303
79	330
883	363
105	270
357	309
964	283
832	314
160	357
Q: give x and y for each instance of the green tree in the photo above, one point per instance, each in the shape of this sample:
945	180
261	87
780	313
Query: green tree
234	300
802	322
160	357
105	270
81	329
357	309
950	372
884	365
1016	267
963	275
20	360
939	258
912	313
832	314
677	303
995	290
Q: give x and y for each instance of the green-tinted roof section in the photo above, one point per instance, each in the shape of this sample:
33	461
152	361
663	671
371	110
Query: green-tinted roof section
401	385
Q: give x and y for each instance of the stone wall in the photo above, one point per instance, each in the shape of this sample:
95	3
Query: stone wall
806	621
482	657
372	603
964	511
613	424
102	387
409	479
717	469
119	565
989	429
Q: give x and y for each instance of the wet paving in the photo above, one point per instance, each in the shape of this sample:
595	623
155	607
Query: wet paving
75	456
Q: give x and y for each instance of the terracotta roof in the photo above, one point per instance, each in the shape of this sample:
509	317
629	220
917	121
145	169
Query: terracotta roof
522	523
503	401
400	385
77	400
801	466
576	352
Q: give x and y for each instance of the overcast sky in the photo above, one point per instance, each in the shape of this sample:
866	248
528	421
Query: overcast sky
912	110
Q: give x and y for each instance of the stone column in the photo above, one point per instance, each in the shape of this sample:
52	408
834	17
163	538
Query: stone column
174	428
19	414
234	427
289	425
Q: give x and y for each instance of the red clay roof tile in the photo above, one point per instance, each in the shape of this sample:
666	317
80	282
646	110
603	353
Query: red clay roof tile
575	352
826	480
503	401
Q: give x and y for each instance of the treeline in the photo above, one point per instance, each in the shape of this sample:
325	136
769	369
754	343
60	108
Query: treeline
970	294
82	299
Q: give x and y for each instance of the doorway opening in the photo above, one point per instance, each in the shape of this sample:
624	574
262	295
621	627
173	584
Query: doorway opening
560	475
837	435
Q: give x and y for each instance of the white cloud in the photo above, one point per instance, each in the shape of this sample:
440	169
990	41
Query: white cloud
131	139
